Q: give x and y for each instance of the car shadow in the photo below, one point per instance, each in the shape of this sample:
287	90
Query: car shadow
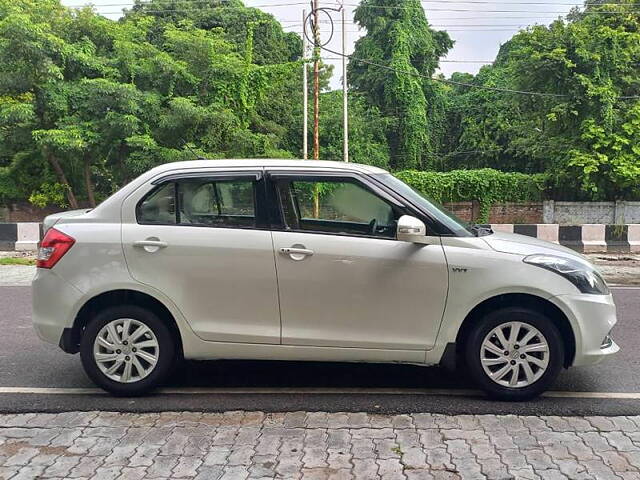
287	374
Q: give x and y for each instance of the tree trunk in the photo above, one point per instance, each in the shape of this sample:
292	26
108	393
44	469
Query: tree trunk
88	183
73	203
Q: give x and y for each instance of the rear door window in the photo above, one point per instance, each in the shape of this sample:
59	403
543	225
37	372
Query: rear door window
217	202
201	202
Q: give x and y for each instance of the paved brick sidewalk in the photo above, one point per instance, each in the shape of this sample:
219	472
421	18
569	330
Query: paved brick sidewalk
239	445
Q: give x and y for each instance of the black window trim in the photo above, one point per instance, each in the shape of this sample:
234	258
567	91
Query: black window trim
259	196
225	175
302	175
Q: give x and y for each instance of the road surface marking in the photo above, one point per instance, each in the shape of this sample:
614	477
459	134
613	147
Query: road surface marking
313	391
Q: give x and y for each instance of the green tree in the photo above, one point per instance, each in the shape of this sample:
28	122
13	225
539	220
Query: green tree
87	103
399	37
367	131
584	131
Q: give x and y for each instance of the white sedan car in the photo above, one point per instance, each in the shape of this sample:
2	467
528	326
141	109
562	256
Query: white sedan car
298	260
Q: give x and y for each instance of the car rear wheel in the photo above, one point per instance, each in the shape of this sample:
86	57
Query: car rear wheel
514	353
127	350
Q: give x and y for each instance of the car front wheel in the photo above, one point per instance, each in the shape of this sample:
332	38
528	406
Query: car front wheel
514	353
127	350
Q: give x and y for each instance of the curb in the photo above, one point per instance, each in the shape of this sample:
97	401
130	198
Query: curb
22	236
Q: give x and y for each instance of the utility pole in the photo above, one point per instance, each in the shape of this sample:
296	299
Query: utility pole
316	82
345	101
305	91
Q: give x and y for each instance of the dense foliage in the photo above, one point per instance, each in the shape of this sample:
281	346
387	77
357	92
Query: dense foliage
486	186
87	103
585	132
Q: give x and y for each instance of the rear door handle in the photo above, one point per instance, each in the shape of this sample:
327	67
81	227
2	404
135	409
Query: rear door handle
296	253
150	243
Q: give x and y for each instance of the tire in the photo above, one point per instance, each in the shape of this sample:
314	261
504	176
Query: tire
144	373
530	381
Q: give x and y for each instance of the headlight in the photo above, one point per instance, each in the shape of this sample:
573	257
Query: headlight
583	276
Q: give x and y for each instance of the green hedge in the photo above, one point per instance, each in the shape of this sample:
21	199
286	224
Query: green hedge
487	186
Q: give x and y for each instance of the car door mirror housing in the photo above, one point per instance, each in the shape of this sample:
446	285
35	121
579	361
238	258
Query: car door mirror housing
410	229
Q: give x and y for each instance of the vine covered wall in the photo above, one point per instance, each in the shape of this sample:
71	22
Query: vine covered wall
486	186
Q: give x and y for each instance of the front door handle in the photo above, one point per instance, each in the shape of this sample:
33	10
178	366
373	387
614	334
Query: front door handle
296	252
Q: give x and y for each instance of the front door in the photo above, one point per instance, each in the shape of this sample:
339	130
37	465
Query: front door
199	240
344	280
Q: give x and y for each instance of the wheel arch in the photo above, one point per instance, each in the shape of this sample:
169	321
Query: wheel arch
524	300
70	342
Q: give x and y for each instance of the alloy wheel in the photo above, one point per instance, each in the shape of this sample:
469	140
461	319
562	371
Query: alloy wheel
126	350
514	354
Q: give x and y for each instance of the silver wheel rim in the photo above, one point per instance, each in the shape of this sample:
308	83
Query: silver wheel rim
126	350
514	354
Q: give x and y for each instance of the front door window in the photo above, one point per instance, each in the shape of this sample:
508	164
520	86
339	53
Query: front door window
336	206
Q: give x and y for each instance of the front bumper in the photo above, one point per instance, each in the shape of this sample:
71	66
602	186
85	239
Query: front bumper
592	318
54	302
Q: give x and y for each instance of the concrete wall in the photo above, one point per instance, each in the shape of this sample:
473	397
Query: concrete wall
575	213
553	212
500	212
25	212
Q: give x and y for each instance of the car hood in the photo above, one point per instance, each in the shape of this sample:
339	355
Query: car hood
524	245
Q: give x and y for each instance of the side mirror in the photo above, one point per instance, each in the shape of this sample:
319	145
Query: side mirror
410	229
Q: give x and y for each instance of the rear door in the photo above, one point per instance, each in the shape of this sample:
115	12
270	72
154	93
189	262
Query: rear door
203	241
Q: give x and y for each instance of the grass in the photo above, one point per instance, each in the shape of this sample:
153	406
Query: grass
17	261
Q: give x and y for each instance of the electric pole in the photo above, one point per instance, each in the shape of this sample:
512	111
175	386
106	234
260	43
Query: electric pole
345	102
305	91
316	82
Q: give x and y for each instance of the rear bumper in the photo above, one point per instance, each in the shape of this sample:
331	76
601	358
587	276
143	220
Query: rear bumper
53	306
592	318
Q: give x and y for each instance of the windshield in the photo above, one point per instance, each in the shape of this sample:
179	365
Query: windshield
438	212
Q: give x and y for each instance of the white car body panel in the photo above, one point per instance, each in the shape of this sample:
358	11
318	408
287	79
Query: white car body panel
380	282
239	306
233	295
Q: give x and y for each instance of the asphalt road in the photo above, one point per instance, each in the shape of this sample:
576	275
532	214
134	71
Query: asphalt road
288	386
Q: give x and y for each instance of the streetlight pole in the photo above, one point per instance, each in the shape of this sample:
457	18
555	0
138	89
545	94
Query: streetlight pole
345	101
316	82
305	91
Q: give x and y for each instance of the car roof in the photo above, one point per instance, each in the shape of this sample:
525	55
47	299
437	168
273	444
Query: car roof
267	163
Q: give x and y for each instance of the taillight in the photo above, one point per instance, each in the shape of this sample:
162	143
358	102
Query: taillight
53	247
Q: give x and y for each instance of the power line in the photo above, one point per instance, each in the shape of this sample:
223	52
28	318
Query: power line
445	2
442	80
560	13
439	25
442	26
485	62
128	5
464	84
475	17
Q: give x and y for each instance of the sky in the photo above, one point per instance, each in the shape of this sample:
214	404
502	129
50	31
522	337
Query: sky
478	27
